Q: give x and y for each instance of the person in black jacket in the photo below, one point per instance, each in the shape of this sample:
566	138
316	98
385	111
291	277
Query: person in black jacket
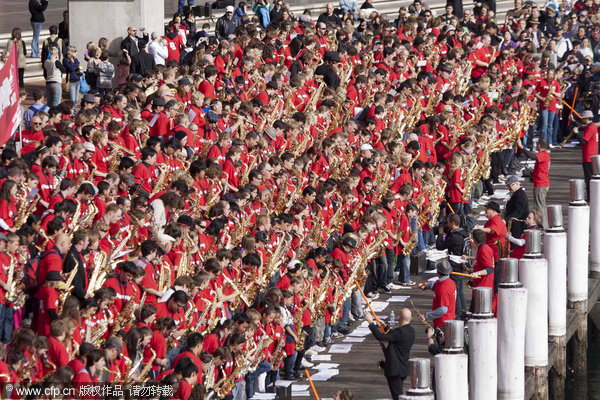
130	43
73	261
516	207
451	238
144	61
326	69
36	9
400	341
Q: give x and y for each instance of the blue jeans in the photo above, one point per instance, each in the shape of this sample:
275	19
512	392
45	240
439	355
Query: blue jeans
343	322
181	3
403	266
6	323
555	127
74	92
263	367
53	93
547	122
35	46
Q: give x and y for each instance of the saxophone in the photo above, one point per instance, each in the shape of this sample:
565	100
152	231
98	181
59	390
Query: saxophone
66	292
142	376
280	353
25	211
549	97
126	315
11	295
161	182
50	372
95	281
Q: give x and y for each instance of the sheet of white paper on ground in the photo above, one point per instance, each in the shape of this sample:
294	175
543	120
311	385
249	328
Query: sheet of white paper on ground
325	375
299	388
378	306
264	396
360	331
481	218
431	271
399	299
340	348
321	357
323	366
351	339
304	393
570	144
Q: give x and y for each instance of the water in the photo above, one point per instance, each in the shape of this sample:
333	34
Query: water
576	388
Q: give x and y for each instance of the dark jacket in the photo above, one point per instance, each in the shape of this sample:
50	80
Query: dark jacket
72	68
142	63
37	10
73	260
329	76
332	19
453	242
225	27
517	207
131	45
400	341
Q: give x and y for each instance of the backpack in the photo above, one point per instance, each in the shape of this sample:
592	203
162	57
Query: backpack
31	272
51	43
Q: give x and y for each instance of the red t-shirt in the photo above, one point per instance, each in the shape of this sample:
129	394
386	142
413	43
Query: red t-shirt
498	232
484	259
590	146
540	171
444	294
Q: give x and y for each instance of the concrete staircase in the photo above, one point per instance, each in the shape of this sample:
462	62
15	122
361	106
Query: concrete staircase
33	72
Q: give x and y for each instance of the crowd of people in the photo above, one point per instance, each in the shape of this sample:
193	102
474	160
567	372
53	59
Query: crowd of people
202	212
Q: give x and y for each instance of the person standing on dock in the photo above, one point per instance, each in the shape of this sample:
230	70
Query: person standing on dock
400	341
444	296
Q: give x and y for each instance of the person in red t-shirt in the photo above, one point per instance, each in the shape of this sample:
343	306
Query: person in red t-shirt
189	375
541	178
483	269
444	296
589	145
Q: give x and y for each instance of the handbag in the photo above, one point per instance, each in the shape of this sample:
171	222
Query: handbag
83	85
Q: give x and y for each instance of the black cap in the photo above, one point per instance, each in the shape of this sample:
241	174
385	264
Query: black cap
186	220
158	101
418	41
262	236
331	56
88	98
492	205
273	85
136	78
212	116
350	242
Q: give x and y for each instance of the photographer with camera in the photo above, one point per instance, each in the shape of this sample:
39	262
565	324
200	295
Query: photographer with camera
452	238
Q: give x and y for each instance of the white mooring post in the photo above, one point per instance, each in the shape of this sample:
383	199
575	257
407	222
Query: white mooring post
533	272
483	341
578	238
555	252
511	332
451	376
595	218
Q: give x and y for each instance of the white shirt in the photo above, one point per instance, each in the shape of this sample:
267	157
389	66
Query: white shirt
159	52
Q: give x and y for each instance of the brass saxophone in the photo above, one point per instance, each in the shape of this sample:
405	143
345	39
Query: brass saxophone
11	294
98	272
50	372
66	292
126	316
161	182
549	97
25	211
142	376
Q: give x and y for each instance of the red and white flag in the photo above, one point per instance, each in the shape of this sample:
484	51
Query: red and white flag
9	97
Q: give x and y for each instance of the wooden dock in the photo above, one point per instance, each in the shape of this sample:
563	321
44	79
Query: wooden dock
358	370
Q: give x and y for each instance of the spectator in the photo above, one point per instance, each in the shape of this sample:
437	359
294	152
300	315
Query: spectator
39	104
158	49
106	73
74	72
15	39
329	16
37	8
63	28
53	70
240	12
143	61
226	25
53	41
130	43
